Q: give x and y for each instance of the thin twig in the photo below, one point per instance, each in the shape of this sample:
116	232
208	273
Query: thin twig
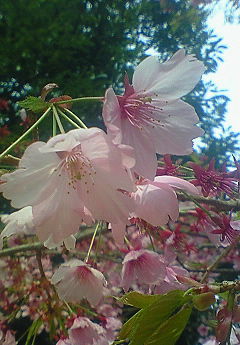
221	205
219	258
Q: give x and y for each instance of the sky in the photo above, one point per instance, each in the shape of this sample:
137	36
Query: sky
227	76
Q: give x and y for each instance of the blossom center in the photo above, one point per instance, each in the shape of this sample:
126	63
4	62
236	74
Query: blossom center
83	272
78	167
138	110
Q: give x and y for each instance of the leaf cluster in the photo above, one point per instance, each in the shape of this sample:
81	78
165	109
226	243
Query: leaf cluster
160	320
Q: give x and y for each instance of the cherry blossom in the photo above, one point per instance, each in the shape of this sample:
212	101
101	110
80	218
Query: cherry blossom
85	332
72	179
155	202
150	115
8	340
170	281
142	266
75	280
21	223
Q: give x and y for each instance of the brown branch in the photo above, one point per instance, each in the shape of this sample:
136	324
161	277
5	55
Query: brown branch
40	246
233	205
22	248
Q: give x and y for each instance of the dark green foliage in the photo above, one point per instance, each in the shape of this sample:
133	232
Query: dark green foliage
87	45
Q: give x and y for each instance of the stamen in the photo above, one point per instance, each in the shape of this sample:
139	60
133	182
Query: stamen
139	111
78	168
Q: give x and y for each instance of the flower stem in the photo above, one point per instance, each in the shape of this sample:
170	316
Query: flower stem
196	203
26	133
55	114
80	99
54	126
92	241
81	123
68	119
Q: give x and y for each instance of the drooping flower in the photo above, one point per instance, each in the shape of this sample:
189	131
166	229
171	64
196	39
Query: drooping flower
21	223
86	332
155	202
142	266
150	115
170	281
75	280
9	338
71	179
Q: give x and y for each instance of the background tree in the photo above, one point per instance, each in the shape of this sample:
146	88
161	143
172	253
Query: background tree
86	46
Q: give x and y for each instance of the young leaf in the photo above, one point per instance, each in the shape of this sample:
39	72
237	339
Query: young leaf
34	104
138	300
143	324
129	327
169	332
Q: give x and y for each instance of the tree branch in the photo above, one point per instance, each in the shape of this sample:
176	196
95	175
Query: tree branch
233	205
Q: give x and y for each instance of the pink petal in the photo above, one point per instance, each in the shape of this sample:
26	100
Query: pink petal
145	153
118	232
176	182
25	185
156	204
175	129
169	80
112	116
142	266
75	280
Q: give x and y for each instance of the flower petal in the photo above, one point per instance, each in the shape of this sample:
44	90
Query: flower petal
169	80
176	182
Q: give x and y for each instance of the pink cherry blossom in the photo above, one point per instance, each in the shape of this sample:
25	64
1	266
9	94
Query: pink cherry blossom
65	341
142	266
72	179
21	223
155	202
85	332
9	338
170	282
75	280
150	115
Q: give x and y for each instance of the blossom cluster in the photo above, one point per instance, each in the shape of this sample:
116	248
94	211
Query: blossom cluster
88	176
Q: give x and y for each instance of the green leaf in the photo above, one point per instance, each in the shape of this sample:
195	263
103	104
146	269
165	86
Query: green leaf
129	327
34	104
169	332
143	324
138	300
